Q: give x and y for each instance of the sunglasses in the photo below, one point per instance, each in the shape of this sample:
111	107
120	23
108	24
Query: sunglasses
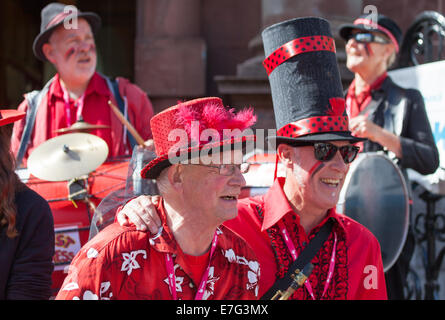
324	151
368	38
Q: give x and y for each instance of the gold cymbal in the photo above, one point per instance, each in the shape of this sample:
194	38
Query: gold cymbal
82	125
67	157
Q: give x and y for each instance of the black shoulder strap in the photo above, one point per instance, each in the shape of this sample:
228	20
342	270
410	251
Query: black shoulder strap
303	259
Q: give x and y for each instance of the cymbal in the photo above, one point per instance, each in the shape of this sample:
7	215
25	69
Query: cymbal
67	157
82	125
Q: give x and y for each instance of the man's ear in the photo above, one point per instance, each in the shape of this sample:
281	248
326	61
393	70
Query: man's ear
175	175
48	51
285	154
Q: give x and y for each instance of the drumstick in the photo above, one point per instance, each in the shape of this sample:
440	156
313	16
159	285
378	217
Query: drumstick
125	122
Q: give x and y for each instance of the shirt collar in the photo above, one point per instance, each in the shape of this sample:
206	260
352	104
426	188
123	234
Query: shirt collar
367	90
96	85
166	241
276	206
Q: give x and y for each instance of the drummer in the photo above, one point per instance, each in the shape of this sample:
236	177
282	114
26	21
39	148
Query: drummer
315	148
77	92
193	256
393	119
26	229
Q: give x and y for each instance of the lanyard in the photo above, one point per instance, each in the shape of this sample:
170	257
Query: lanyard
80	101
172	278
293	251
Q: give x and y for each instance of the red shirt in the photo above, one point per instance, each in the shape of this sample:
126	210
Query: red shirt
357	103
51	115
97	94
358	270
120	263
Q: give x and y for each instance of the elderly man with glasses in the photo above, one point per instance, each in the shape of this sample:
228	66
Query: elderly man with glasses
193	256
393	119
306	249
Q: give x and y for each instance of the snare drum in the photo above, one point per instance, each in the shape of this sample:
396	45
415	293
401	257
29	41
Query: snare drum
375	194
72	216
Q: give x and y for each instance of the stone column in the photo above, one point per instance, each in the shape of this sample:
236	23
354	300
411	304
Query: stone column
170	54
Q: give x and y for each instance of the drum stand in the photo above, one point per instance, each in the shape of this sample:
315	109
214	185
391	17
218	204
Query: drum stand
429	235
78	190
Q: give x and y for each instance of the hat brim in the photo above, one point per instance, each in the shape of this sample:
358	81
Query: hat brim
10	116
154	168
312	138
346	29
93	19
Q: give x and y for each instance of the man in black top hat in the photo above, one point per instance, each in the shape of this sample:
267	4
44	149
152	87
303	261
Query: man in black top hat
77	92
393	119
315	147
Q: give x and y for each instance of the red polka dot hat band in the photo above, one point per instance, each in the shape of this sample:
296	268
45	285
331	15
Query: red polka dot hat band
298	46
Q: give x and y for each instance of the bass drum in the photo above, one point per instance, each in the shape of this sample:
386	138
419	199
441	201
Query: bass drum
375	194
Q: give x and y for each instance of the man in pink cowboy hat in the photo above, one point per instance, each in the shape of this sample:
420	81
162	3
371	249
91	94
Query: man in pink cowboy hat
192	256
77	92
295	225
26	229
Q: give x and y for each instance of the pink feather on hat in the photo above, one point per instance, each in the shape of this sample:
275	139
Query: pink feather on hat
215	116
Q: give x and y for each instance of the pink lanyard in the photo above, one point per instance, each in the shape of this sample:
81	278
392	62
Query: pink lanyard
80	101
172	278
293	251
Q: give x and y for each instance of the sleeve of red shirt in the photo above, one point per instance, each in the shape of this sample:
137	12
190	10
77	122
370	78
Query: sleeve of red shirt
140	107
373	284
88	278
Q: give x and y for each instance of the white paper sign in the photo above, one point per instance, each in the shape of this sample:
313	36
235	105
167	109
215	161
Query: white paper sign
429	80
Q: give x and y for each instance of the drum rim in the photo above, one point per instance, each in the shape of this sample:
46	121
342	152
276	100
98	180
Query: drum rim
341	200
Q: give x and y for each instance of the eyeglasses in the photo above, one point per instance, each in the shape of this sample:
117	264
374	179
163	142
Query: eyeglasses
368	38
326	151
228	169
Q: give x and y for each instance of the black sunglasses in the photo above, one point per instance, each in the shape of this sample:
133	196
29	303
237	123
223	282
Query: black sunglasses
368	38
324	151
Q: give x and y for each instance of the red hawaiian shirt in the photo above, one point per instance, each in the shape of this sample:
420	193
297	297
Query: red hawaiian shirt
122	263
358	269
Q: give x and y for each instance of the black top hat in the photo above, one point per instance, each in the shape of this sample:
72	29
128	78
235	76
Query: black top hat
307	93
383	25
53	15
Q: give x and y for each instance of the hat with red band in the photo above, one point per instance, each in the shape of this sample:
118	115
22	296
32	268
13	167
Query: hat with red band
54	15
305	83
8	116
200	125
382	24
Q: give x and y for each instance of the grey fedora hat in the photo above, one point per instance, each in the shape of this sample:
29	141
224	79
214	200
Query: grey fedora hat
52	16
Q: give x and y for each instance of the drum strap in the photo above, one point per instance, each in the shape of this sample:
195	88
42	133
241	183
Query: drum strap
34	99
113	86
303	259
